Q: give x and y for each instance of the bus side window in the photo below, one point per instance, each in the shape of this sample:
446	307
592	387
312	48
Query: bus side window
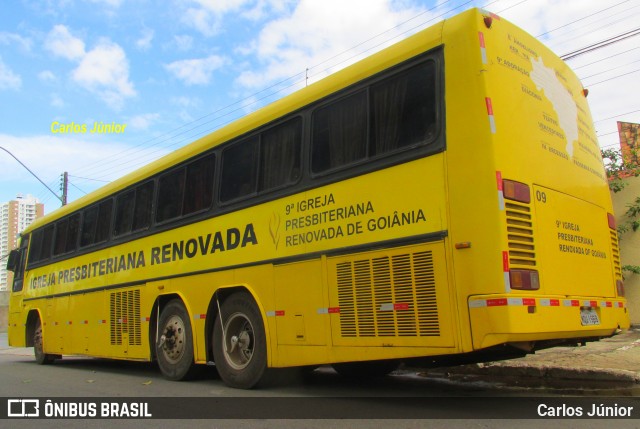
96	223
280	155
143	206
340	133
239	169
124	212
170	195
18	273
403	109
198	194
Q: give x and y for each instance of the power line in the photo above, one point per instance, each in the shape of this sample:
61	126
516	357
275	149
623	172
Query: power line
617	116
615	77
607	71
583	18
600	44
605	58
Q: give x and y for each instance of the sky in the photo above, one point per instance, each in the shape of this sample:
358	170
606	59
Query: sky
168	72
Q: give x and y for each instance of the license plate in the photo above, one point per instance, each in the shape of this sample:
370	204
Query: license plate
589	317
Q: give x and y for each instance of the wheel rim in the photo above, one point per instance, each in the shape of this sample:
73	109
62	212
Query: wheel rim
173	339
239	341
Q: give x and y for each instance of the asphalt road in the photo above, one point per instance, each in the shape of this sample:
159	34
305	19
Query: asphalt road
322	399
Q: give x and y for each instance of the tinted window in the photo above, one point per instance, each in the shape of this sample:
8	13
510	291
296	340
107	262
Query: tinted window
36	246
199	186
143	206
124	212
403	109
47	242
96	223
340	133
170	195
239	169
61	237
72	232
280	155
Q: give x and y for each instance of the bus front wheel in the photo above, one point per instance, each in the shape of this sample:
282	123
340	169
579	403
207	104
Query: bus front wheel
42	358
239	343
175	344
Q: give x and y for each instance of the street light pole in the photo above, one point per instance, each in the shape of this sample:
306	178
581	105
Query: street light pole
33	174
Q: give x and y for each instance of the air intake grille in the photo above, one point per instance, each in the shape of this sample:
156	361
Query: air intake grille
615	250
389	296
520	235
125	317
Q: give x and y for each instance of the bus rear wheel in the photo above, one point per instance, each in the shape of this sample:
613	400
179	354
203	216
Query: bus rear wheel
42	358
175	345
239	343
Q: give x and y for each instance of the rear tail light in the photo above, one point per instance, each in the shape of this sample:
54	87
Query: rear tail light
524	279
516	191
611	220
620	288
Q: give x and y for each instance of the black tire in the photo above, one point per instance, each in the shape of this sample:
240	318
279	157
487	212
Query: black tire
376	368
242	363
174	348
42	358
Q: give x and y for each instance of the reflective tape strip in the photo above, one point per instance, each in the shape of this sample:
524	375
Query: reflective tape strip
500	190
483	48
543	302
85	322
400	306
492	120
145	319
69	322
329	310
505	271
199	316
101	322
275	313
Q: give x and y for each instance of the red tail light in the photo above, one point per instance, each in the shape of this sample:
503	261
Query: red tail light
524	279
611	220
516	191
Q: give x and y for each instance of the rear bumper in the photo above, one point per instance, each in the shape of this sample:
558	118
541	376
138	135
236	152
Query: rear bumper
500	319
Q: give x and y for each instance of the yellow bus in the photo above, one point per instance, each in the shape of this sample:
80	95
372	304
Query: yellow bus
442	198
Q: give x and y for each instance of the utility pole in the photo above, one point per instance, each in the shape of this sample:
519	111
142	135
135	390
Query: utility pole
64	187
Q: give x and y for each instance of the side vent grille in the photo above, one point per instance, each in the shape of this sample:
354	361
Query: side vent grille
390	296
520	234
615	250
125	317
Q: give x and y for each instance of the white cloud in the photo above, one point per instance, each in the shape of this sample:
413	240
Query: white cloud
57	101
196	71
316	31
12	39
206	16
104	70
109	3
183	42
61	43
143	122
144	42
8	79
47	76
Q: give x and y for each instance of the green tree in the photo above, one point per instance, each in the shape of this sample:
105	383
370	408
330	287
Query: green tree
619	167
